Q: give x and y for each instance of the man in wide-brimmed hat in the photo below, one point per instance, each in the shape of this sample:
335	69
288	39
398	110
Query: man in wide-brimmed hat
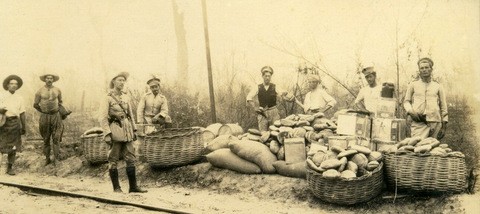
153	106
317	100
267	93
47	101
120	131
426	104
368	96
12	107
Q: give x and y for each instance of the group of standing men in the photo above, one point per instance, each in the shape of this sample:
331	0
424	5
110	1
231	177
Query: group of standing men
48	101
116	120
425	100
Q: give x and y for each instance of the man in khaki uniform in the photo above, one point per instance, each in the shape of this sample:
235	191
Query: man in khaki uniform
153	106
426	104
117	122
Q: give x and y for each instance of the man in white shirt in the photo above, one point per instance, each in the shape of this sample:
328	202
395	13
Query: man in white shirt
368	97
426	104
317	100
267	93
13	108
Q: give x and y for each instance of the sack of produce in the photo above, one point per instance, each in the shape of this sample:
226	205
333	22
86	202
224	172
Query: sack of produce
295	170
220	142
255	152
226	159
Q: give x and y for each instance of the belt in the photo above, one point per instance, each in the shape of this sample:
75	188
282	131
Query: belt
270	108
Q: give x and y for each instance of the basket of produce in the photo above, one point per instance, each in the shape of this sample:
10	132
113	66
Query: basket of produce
425	166
173	146
95	149
345	176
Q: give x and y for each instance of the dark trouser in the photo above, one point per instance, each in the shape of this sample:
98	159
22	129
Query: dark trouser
121	149
51	127
10	138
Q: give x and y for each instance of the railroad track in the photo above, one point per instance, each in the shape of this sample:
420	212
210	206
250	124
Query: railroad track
55	192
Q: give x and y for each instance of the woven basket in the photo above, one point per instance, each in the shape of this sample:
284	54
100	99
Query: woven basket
346	191
425	173
94	148
174	147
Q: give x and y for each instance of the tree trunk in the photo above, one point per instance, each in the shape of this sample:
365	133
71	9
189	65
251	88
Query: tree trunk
182	51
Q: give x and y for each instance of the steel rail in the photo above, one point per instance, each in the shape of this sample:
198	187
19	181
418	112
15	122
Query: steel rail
54	192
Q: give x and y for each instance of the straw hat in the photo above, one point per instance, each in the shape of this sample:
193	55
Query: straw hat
12	77
55	77
120	74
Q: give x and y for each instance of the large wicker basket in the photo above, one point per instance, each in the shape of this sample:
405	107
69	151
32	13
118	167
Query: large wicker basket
95	149
346	191
173	147
425	173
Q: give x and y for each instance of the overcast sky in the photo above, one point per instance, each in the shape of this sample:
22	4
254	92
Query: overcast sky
80	39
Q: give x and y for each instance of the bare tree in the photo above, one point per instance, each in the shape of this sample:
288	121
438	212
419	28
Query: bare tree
182	51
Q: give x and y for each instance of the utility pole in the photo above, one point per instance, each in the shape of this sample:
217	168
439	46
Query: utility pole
209	63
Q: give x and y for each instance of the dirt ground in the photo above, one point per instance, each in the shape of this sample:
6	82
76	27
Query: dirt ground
197	188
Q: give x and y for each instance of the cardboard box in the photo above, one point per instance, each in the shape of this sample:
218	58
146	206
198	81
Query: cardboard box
386	108
294	150
382	146
389	129
346	141
354	124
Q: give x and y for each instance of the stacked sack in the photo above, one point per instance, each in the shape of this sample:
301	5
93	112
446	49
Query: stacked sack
337	162
244	156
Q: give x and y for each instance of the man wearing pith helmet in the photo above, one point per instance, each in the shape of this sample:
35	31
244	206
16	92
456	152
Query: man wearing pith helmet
368	96
117	121
153	106
426	104
47	101
12	108
267	93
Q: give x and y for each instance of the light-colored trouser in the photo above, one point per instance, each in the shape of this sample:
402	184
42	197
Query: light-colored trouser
121	149
424	130
272	115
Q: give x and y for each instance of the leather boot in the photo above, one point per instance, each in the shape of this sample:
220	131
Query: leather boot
132	180
10	170
114	177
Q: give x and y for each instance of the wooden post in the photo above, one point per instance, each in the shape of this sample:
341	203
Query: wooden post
209	63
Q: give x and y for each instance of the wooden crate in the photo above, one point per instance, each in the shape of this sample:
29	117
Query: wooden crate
354	124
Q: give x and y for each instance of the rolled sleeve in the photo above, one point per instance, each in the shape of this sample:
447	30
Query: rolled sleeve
253	92
141	110
407	104
443	104
329	99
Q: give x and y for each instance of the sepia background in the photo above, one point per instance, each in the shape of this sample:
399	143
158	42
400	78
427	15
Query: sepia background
86	42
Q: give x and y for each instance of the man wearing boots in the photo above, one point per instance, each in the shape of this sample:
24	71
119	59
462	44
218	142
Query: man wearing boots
153	106
47	101
12	112
119	128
